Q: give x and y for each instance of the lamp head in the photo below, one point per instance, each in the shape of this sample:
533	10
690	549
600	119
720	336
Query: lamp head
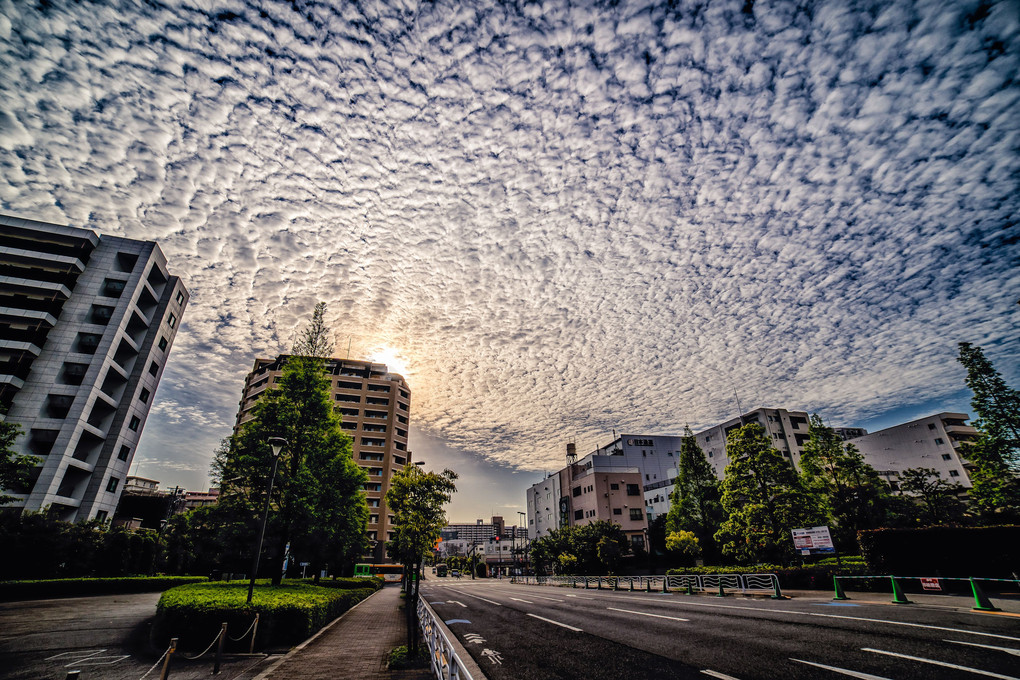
277	444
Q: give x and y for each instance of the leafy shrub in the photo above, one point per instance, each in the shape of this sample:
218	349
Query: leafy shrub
400	658
347	583
288	613
990	552
80	587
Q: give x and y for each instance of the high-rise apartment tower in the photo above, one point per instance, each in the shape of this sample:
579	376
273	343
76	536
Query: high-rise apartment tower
375	406
86	325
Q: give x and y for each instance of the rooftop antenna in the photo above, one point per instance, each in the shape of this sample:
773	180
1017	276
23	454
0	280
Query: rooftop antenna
740	411
348	347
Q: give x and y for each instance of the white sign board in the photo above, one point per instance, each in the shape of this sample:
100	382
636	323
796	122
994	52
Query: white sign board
813	541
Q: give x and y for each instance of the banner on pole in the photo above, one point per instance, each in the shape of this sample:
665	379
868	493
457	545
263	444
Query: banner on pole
813	541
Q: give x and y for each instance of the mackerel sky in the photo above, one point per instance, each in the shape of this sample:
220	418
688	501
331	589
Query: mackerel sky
557	219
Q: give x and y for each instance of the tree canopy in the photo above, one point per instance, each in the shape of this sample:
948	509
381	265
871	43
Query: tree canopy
851	493
593	548
763	499
695	504
15	469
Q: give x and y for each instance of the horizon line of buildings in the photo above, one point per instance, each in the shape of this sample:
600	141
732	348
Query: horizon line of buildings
629	481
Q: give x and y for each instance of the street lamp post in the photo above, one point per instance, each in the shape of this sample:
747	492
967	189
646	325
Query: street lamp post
524	541
276	444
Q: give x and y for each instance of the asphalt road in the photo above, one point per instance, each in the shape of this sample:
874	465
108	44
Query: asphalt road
102	637
539	632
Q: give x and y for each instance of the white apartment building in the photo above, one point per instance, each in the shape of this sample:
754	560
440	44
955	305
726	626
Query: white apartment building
86	327
935	442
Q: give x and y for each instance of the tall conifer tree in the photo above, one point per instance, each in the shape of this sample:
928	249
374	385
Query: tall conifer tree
695	504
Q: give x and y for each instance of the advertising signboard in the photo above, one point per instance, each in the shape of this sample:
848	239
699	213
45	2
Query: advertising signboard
813	541
931	584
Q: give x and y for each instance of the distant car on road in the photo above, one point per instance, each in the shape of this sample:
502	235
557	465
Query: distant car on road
455	573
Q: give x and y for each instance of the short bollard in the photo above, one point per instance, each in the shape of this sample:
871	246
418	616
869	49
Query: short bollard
632	585
219	649
599	586
839	595
722	593
648	585
254	632
169	655
981	601
665	584
690	588
897	593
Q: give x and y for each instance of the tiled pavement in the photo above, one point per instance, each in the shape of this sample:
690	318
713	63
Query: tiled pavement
354	646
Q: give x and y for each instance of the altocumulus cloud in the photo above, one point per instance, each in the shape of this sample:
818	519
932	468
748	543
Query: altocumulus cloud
564	217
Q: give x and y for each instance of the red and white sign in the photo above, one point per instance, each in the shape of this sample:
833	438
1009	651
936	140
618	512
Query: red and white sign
931	584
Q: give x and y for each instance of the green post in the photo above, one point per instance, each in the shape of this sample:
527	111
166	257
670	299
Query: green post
778	595
665	584
648	585
632	584
897	594
722	593
981	601
690	588
599	587
840	595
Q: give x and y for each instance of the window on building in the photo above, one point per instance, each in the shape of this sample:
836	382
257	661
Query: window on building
180	297
954	473
578	514
102	515
947	456
134	423
576	491
153	368
373	519
144	395
617	511
125	453
931	426
938	440
171	320
163	343
637	513
111	485
633	489
614	487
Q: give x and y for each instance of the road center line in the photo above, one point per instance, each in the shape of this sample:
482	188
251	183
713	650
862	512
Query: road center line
657	616
921	659
1008	650
843	671
837	616
477	598
556	623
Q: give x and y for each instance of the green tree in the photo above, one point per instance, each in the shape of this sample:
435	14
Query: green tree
417	499
763	499
995	456
849	490
684	544
320	508
695	504
15	469
593	548
936	500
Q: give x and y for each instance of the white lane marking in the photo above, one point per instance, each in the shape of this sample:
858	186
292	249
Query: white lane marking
85	652
836	616
556	623
517	599
921	659
717	674
551	599
478	598
658	616
843	671
95	661
453	602
579	597
1014	652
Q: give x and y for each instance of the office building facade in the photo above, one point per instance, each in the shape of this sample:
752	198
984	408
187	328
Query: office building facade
375	406
86	326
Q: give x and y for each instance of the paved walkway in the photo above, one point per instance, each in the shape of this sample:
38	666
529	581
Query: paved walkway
354	646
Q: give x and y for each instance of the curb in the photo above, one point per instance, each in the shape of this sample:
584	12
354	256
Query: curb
265	674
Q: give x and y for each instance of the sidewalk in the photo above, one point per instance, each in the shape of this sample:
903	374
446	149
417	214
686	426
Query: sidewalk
1008	603
353	646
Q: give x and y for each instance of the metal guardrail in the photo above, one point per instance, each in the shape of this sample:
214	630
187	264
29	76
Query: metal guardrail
446	664
746	584
981	601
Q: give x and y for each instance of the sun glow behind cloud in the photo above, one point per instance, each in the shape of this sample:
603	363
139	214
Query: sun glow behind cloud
562	218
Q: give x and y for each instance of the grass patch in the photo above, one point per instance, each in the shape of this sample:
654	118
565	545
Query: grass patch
288	613
11	591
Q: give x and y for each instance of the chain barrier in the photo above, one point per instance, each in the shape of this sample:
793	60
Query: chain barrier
157	663
215	640
238	639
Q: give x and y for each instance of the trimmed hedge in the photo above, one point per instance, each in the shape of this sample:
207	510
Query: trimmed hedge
12	591
989	552
350	583
289	613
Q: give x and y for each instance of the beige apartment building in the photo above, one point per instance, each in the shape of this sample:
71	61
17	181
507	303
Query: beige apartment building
375	406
